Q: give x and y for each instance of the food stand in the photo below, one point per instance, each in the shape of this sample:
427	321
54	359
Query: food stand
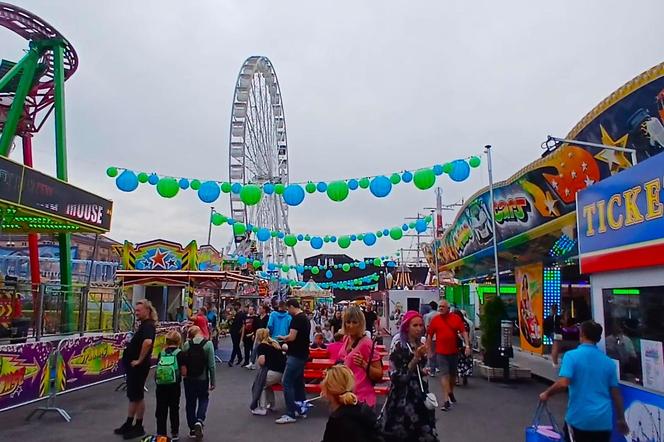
311	294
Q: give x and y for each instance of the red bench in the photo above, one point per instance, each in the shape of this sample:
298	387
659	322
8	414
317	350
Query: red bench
381	390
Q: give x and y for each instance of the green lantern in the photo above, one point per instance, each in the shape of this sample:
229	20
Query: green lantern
290	240
307	237
395	178
218	219
424	179
428	219
274	233
226	187
474	162
364	183
411	225
315	270
112	172
292	283
377	262
396	233
360	237
239	229
345	267
168	187
337	191
379	234
344	242
256	264
285	268
195	185
310	187
279	189
251	194
447	168
143	177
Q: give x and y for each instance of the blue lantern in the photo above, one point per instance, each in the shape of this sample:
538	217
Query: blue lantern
404	227
353	237
353	184
242	260
316	242
183	183
127	181
380	186
369	239
236	188
321	187
209	192
300	269
386	232
420	226
153	179
407	177
438	170
268	188
328	274
293	195
281	235
300	237
263	234
361	265
460	171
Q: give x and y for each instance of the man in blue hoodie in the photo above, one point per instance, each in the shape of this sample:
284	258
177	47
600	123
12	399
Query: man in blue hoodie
279	322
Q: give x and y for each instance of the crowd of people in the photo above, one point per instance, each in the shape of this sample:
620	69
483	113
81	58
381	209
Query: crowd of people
278	343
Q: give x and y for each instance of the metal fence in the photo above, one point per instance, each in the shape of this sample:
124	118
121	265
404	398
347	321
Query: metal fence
53	309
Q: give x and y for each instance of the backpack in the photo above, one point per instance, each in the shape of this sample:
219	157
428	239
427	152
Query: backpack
168	369
196	359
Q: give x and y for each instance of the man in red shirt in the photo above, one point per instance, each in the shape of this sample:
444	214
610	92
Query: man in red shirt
200	320
446	327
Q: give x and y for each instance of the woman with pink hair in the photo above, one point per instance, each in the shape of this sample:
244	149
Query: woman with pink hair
406	416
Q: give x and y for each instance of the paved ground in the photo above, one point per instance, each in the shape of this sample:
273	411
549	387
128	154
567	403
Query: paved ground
486	411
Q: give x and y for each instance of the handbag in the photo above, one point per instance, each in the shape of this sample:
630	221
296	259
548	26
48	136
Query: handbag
543	433
430	400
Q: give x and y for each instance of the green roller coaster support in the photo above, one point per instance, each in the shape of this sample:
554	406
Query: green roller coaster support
61	169
28	65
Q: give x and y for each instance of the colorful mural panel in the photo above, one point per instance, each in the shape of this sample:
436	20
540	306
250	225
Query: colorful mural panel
529	283
24	373
545	190
161	255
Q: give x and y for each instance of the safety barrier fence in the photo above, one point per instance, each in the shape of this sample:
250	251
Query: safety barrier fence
43	370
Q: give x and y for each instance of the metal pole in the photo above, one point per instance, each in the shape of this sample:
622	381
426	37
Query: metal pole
210	225
493	217
632	152
434	246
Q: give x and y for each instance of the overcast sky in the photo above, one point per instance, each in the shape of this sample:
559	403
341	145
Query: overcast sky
368	87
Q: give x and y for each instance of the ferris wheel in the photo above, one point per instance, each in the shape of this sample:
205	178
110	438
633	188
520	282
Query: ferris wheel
258	154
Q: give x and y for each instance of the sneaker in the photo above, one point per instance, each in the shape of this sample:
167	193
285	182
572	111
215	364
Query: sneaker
247	365
253	367
134	432
198	430
192	434
446	406
259	411
452	398
230	364
175	437
123	428
285	419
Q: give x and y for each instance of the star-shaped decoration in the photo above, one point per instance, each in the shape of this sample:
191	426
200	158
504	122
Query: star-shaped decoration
550	204
570	154
567	192
584	166
588	181
614	159
158	259
554	184
573	173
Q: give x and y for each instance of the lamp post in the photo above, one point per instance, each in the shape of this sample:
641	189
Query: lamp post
210	225
487	150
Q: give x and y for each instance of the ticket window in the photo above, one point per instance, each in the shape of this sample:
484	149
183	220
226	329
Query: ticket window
634	333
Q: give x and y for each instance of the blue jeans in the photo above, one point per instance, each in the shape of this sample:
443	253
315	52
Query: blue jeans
293	383
196	393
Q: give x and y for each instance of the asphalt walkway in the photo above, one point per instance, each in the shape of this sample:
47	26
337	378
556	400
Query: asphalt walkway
486	411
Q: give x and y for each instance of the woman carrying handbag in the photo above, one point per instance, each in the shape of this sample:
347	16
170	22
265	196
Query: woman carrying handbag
409	413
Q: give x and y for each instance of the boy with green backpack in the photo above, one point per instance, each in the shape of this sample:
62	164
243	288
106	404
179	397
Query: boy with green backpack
169	379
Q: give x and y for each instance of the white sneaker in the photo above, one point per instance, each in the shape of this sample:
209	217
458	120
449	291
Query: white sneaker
247	366
259	411
285	419
252	367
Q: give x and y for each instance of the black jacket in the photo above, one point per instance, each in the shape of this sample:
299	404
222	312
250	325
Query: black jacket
352	423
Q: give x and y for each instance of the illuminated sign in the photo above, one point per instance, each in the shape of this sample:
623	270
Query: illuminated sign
621	220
